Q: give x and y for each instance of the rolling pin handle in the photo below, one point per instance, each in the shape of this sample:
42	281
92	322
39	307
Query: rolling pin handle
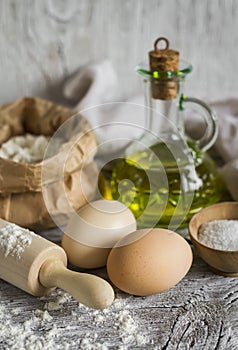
89	290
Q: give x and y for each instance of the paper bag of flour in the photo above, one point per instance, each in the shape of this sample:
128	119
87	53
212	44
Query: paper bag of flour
40	195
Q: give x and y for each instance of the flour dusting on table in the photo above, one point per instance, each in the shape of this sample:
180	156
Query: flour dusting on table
17	335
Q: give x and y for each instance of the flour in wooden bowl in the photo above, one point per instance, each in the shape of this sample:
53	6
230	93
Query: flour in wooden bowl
220	234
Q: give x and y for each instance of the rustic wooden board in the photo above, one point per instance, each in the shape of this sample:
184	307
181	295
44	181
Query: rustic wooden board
201	312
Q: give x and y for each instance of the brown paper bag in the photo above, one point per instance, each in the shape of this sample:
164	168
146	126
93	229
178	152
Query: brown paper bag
23	198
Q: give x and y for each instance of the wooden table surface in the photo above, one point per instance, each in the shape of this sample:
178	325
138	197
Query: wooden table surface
201	312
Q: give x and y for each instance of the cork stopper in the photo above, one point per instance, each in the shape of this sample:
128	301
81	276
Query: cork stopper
162	61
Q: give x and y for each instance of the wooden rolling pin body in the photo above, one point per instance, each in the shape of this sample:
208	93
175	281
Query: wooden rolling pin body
40	266
24	272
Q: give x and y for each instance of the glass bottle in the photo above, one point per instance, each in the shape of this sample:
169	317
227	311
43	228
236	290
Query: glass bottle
165	177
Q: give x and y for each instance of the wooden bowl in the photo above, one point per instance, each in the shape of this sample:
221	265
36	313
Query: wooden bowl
221	262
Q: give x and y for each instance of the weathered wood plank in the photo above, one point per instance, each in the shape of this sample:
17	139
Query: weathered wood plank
199	313
44	42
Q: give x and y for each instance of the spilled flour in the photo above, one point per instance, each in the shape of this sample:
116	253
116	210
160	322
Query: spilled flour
14	240
126	326
17	336
38	330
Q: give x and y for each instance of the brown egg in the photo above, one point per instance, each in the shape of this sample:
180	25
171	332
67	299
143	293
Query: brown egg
149	261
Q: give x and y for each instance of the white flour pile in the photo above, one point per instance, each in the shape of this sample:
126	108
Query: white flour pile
26	148
14	240
220	234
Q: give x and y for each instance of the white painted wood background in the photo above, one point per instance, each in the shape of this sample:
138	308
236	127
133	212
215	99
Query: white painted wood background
44	42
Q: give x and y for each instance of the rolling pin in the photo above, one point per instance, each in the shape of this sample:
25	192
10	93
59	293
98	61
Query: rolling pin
37	266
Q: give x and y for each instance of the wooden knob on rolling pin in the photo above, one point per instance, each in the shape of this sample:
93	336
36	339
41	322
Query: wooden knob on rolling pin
163	61
90	290
36	265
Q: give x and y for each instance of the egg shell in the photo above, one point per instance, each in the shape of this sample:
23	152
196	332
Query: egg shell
101	223
149	261
83	256
94	230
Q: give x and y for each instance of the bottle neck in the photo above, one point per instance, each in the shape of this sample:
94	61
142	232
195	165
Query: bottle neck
164	116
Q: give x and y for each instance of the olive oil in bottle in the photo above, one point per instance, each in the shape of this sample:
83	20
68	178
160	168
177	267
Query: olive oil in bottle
164	192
